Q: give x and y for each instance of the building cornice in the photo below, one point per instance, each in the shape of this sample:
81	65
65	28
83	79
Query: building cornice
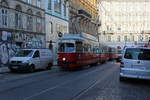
20	30
30	5
56	16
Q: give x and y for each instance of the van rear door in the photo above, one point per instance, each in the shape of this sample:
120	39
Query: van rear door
137	58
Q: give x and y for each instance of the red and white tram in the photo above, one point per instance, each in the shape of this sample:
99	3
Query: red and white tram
77	50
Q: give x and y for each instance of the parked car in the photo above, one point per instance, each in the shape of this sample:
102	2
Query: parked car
135	63
31	59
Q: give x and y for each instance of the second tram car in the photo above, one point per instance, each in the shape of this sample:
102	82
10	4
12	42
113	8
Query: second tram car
77	50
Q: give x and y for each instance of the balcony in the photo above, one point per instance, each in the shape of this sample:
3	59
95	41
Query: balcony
85	14
109	32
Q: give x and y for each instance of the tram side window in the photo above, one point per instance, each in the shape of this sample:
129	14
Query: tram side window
95	50
79	47
86	47
89	48
66	47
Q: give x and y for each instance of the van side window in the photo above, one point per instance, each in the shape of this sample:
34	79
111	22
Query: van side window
36	54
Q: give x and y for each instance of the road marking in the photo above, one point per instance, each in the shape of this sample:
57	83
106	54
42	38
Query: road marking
52	88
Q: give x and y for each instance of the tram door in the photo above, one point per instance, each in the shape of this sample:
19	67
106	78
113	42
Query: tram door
79	52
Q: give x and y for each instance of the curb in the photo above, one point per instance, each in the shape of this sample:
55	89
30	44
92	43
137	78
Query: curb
4	70
28	76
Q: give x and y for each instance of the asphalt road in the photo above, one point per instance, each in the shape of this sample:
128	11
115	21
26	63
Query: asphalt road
99	82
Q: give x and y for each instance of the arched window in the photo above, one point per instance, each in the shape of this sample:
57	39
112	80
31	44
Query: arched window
29	20
39	22
4	3
18	17
4	14
50	26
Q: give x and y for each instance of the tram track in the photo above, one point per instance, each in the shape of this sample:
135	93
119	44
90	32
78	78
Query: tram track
84	91
67	82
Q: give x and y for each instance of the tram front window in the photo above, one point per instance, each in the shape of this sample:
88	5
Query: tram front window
66	47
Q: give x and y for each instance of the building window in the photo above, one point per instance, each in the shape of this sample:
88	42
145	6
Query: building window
125	38
29	23
49	4
132	38
118	39
29	20
146	38
38	23
139	38
64	9
18	20
51	27
29	1
39	3
109	38
57	6
18	17
4	18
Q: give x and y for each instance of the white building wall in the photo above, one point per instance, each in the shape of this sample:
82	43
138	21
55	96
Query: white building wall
124	18
58	25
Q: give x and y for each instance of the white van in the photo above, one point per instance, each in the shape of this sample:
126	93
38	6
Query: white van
31	59
135	63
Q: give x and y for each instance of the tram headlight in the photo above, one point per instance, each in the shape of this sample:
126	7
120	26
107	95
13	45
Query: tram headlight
64	59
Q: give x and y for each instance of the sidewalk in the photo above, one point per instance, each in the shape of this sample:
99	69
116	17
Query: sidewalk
4	69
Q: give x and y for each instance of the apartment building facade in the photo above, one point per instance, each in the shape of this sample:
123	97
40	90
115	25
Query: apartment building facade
124	22
22	25
57	21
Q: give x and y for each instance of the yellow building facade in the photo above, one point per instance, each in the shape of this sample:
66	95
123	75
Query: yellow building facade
89	24
91	6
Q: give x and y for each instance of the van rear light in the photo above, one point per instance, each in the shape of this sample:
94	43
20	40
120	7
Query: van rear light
121	64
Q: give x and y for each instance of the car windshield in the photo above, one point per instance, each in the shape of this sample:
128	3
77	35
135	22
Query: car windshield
24	53
66	47
137	54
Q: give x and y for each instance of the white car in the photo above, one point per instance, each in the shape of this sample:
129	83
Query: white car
31	59
135	63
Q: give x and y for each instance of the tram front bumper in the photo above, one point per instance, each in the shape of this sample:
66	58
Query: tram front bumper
65	64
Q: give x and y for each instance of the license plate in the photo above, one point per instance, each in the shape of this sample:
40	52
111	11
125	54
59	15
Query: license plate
15	67
139	67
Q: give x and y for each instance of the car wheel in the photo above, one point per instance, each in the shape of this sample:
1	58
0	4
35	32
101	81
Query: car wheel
49	66
31	69
12	70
